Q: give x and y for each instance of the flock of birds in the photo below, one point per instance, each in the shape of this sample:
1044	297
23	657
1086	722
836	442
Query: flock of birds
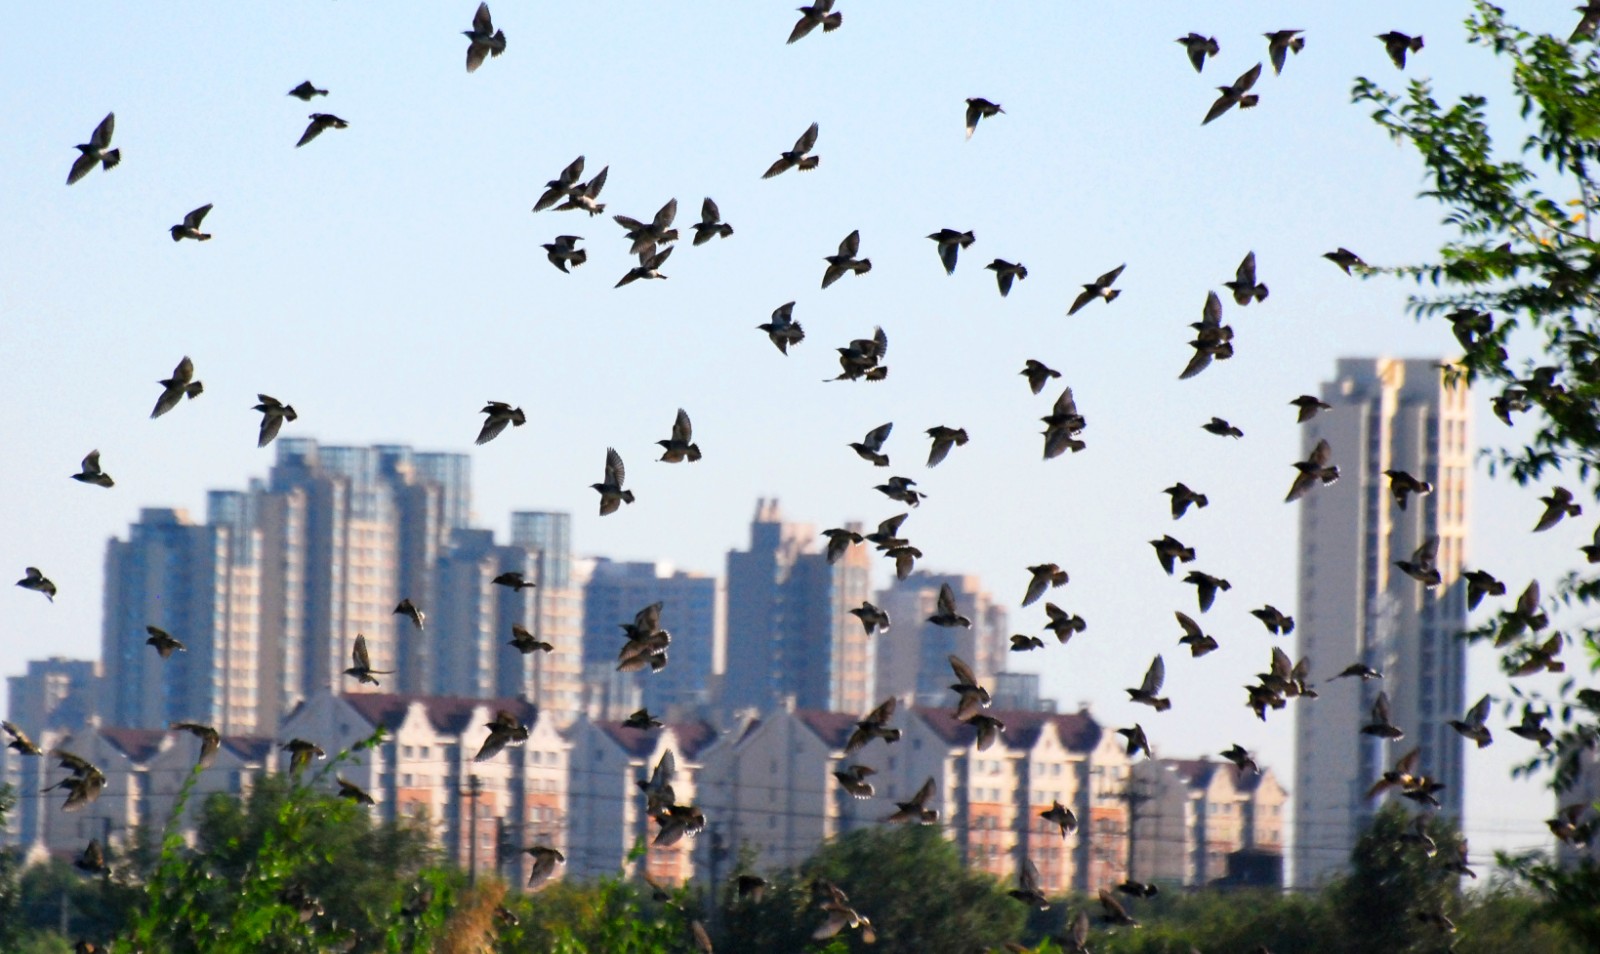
646	642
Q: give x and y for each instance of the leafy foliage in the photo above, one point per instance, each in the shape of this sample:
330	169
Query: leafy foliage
1520	277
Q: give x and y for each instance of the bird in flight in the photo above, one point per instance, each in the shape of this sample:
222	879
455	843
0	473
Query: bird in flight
273	413
164	642
846	260
305	92
95	151
190	226
980	108
90	473
799	157
650	262
840	540
818	14
1005	273
1280	43
585	195
1244	286
319	122
500	414
564	251
783	330
680	446
1345	259
1237	94
611	493
1199	47
504	730
870	447
1038	374
1099	288
1313	470
563	186
944	438
36	581
410	611
710	225
483	40
362	660
174	389
951	242
1397	44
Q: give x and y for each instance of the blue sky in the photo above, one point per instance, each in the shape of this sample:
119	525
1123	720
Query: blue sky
387	279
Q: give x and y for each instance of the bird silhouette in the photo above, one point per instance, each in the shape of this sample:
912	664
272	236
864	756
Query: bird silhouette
563	186
1170	551
1345	259
846	260
818	14
1199	47
1238	94
1314	470
174	389
951	242
36	581
164	642
840	539
273	413
1280	43
1005	273
306	92
710	225
89	472
870	447
500	416
95	151
646	236
783	330
189	228
1043	577
1558	504
1149	690
361	661
564	251
680	446
980	108
1221	428
610	489
483	40
1397	44
944	438
585	196
946	613
1244	286
1099	288
1038	375
797	158
319	122
504	730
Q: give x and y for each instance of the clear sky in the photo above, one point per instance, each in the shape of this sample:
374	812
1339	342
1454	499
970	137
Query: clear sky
387	280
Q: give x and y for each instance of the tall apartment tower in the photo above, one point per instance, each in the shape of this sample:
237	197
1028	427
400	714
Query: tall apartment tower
790	634
690	611
1355	605
555	679
201	584
913	657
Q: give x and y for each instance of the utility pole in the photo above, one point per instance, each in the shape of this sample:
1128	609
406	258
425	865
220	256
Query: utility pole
474	786
718	852
1134	798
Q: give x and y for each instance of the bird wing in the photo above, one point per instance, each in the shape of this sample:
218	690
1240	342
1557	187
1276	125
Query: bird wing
1065	405
709	213
851	244
359	654
947	255
1028	877
1108	278
1113	907
665	215
880	343
923	794
1245	274
1478	712
1211	314
592	190
1190	627
877	436
1154	677
883	713
101	137
964	674
682	429
193	219
481	22
1380	709
629	223
807	140
1247	79
973	113
1223	103
615	472
947	600
783	314
1321	454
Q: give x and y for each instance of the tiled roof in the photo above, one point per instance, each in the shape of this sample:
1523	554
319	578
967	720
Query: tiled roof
137	744
1196	773
250	748
1079	731
833	728
448	714
693	737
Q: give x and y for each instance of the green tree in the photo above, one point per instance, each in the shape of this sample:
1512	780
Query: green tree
908	880
1519	277
10	884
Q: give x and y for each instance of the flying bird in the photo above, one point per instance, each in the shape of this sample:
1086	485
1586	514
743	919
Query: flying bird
545	862
305	92
500	414
1585	30
525	642
1112	910
273	413
1038	375
362	668
1244	286
610	489
210	740
1170	551
946	614
1237	94
1021	643
680	446
1062	426
1279	43
1481	583
1357	670
1221	428
563	186
1137	742
1206	587
1472	724
20	743
1182	498
301	753
862	358
354	792
1027	889
944	438
164	642
1276	621
818	14
1313	470
1099	288
410	611
94	151
1378	723
870	447
875	725
973	696
33	580
1199	47
504	730
710	225
1212	340
1198	642
1042	577
93	859
1005	272
483	40
1241	760
1061	816
853	779
873	618
1309	406
899	488
783	330
846	260
564	251
1421	565
584	197
799	157
840	539
190	226
658	231
1345	259
642	720
89	472
1558	503
319	122
85	783
1148	691
980	108
1064	624
951	242
1397	44
916	809
174	389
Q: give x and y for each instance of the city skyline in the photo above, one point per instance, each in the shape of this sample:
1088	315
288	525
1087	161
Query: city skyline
388	299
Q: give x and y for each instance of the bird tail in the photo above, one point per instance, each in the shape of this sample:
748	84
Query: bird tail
694	452
578	257
862	267
203	236
833	20
195	389
111	158
724	230
808	163
1162	705
627	496
1246	102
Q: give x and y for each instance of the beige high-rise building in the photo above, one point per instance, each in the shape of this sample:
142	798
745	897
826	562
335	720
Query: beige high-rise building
913	657
1355	605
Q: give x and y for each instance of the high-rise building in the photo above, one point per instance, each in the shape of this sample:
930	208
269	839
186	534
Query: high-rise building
555	678
913	657
200	583
1355	605
690	611
790	632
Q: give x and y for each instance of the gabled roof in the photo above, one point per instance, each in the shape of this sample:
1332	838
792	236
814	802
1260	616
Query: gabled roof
1079	731
448	714
250	748
833	728
137	744
1196	773
693	737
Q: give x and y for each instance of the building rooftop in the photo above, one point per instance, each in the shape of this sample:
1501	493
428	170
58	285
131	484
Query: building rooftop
448	714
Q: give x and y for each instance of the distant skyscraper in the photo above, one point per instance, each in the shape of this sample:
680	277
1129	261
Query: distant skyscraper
201	584
690	611
913	657
1355	605
55	693
556	678
789	629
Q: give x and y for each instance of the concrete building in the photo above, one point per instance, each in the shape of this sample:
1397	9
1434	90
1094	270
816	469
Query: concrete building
425	770
789	629
1356	606
691	611
472	617
1194	820
55	696
913	656
608	815
555	679
201	584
